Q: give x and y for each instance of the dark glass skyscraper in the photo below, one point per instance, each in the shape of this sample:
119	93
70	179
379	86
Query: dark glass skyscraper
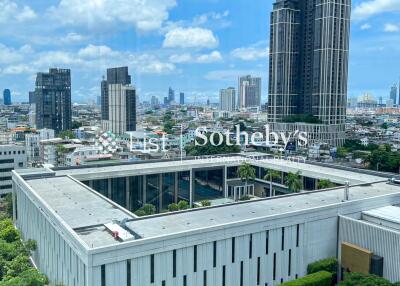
7	97
309	51
53	100
308	72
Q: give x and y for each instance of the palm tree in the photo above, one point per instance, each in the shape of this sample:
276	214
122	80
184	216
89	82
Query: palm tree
246	173
294	182
270	175
325	184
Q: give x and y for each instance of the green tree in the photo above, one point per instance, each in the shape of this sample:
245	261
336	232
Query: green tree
66	134
76	124
271	175
294	182
342	152
246	173
325	184
147	209
210	149
8	232
30	277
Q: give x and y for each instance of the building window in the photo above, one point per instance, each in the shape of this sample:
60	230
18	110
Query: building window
233	250
163	283
215	254
174	263
184	280
103	275
251	247
283	238
128	273
205	278
297	235
266	242
258	270
223	275
290	262
241	273
195	258
274	268
152	268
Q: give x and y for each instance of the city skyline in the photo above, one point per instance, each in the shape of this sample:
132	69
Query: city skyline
159	56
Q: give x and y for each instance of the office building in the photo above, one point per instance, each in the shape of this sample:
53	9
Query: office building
87	234
7	97
53	100
31	97
182	98
32	145
171	95
308	72
12	157
227	99
118	75
249	92
118	103
154	101
393	93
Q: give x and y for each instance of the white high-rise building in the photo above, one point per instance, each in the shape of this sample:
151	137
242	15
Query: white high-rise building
227	99
32	144
11	157
249	92
122	109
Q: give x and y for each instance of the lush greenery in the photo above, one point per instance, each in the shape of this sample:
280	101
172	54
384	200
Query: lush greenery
324	184
306	118
15	266
180	206
328	264
66	134
322	278
246	172
378	157
169	123
358	279
271	175
209	149
146	210
294	182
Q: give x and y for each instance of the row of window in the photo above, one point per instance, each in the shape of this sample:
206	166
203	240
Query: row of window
233	250
12	152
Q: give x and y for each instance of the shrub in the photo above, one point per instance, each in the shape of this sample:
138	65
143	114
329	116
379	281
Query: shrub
146	210
173	207
328	264
359	279
183	205
322	278
205	203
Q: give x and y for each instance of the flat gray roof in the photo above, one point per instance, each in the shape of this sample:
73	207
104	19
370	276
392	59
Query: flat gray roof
85	211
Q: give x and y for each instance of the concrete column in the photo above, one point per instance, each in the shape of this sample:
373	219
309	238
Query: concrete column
176	189
109	188
225	181
14	202
144	188
160	191
91	184
128	193
191	182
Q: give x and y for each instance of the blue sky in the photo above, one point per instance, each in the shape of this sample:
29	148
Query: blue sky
195	46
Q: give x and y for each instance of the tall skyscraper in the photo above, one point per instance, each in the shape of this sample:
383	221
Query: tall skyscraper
249	91
181	98
309	50
227	99
31	97
118	75
53	100
118	101
393	93
171	96
7	97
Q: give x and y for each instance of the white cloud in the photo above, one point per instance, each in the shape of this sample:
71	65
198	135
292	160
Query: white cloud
391	28
190	38
10	11
73	38
365	27
373	7
145	15
251	53
179	59
92	51
212	57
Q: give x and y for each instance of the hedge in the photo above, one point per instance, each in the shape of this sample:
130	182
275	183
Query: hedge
322	278
328	264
